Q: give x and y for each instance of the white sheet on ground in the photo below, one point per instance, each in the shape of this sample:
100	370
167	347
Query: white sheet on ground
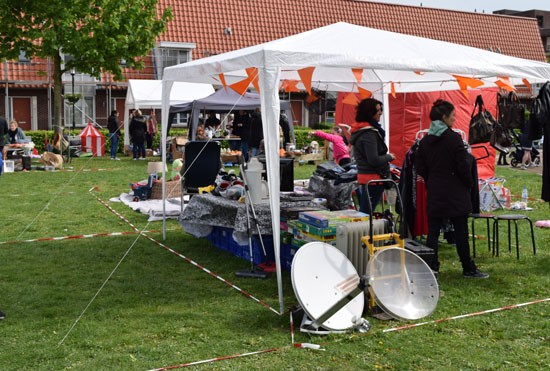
153	208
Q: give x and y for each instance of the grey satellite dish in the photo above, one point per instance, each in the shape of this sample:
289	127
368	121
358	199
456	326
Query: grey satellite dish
331	292
403	285
327	287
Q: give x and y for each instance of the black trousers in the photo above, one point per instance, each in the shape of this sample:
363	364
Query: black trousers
460	224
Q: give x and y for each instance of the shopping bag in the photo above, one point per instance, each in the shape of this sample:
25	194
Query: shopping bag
511	113
482	123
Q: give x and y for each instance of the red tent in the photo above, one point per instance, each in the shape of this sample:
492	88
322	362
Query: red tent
92	141
409	113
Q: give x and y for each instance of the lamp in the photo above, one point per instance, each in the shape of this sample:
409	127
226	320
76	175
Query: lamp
155	167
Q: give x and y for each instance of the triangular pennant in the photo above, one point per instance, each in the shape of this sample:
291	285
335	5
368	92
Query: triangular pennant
222	80
351	99
306	74
358	73
419	72
241	86
392	89
290	86
468	82
364	93
311	98
253	73
505	83
528	84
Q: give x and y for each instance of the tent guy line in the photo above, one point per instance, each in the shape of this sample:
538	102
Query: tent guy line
192	262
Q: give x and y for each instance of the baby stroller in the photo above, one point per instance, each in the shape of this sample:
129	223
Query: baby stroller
516	156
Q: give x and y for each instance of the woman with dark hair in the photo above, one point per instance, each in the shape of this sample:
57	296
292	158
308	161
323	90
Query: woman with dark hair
138	128
445	164
370	151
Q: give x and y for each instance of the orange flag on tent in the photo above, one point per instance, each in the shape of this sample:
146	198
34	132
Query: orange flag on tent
392	89
311	98
306	74
290	86
505	83
419	72
351	99
222	80
358	73
526	82
252	72
467	82
364	93
241	86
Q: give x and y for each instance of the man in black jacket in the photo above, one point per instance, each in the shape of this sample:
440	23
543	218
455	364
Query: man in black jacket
113	124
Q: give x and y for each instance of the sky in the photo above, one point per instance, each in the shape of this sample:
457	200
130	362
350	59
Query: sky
476	5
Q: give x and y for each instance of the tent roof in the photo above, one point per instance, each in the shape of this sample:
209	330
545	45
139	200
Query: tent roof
385	57
148	93
224	100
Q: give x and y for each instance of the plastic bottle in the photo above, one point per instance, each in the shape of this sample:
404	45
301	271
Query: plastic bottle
524	195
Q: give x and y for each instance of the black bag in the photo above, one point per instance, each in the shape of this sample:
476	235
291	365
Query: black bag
482	123
500	139
511	113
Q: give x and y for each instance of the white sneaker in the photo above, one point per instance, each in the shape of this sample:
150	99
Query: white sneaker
134	159
116	159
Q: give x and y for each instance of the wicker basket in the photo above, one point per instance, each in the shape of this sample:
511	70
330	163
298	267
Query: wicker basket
173	189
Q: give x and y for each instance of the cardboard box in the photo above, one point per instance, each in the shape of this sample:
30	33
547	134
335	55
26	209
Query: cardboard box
326	218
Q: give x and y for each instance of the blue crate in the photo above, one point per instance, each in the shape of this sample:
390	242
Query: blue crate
287	254
222	238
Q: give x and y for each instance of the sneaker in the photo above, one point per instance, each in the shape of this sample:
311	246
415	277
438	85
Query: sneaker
116	158
476	273
2	315
142	158
135	159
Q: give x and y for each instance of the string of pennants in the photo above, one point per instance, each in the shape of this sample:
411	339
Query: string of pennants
306	76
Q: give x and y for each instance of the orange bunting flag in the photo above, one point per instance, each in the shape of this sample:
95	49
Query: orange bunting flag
419	73
222	80
505	83
306	74
392	89
351	99
358	73
252	72
467	82
528	84
241	86
364	93
311	98
290	86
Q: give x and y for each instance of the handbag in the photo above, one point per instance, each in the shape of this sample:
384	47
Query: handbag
500	139
482	123
511	112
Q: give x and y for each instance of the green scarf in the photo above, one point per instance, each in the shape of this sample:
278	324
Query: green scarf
437	128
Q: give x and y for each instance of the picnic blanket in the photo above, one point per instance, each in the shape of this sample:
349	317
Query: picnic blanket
151	207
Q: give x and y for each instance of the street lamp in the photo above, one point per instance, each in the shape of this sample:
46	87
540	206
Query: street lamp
74	95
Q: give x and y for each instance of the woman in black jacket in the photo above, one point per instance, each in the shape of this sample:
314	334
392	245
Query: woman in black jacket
443	161
138	128
370	151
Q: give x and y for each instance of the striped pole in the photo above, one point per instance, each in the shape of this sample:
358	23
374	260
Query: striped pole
406	327
248	295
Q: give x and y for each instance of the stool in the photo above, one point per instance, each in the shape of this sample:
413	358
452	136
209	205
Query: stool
481	216
510	218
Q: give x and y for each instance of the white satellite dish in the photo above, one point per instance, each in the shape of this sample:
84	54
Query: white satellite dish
331	292
403	285
326	285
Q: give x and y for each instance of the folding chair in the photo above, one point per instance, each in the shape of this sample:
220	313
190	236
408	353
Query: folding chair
201	165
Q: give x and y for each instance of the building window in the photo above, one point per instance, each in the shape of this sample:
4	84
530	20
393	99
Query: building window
23	57
170	54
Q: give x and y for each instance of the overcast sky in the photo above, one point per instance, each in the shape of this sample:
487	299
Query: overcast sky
471	5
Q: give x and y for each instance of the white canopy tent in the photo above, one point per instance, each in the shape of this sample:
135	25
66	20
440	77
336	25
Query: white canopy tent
386	58
148	94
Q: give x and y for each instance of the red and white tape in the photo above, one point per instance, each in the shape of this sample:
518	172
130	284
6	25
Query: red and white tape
248	295
406	327
73	237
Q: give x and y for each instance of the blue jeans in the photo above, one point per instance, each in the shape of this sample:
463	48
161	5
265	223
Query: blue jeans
113	137
244	149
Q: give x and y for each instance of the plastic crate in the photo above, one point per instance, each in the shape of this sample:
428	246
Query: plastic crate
222	238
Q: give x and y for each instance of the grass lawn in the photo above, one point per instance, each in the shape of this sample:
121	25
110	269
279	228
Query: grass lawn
158	310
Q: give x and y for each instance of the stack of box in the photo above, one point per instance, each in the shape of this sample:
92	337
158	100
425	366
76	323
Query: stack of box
314	226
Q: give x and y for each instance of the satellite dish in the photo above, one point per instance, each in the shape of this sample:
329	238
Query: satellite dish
325	282
331	292
403	285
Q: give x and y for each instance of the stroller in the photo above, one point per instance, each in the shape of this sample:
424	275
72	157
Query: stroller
516	156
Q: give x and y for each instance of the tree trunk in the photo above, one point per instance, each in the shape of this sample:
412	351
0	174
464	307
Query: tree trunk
57	95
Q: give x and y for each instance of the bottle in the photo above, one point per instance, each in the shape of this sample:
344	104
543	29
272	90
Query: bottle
524	195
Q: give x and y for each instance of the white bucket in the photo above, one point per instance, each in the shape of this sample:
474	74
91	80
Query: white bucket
9	166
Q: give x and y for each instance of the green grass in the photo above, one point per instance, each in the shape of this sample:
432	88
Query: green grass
158	310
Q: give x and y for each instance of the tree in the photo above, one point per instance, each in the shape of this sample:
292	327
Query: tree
96	34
